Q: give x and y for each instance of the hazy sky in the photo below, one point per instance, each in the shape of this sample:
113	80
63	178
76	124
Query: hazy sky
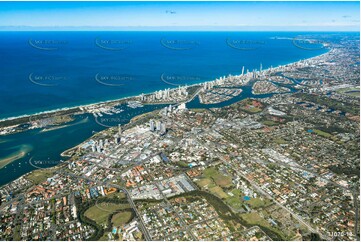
188	15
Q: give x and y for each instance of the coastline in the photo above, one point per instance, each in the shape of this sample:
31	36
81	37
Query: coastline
77	109
128	98
66	152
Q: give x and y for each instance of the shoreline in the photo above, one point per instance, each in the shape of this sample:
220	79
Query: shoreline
121	100
128	98
79	108
71	149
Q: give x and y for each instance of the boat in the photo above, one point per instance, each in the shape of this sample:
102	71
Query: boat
135	104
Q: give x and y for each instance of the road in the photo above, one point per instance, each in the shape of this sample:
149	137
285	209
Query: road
261	191
131	202
178	215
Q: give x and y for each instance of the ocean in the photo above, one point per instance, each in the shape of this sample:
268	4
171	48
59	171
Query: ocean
42	71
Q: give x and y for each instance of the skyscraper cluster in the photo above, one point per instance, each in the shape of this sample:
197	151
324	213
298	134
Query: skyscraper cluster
157	126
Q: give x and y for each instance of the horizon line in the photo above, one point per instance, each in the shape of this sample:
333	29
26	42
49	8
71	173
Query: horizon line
344	28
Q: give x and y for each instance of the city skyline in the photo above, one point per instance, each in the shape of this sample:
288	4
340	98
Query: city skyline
180	121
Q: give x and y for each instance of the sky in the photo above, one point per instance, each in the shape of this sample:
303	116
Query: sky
323	16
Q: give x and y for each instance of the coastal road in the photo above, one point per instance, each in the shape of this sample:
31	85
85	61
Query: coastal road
193	96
